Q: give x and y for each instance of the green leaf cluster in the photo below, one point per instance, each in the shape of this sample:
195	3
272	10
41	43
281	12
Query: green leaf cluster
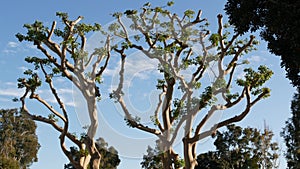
241	148
189	13
214	39
161	83
178	110
36	33
255	79
206	98
32	82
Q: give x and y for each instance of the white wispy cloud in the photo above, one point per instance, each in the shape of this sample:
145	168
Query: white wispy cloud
5	100
137	67
9	51
141	68
10	83
256	59
65	91
66	96
60	80
65	99
12	48
14	92
12	44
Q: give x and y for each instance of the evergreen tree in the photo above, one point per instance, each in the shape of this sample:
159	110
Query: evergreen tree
239	148
291	134
279	25
18	140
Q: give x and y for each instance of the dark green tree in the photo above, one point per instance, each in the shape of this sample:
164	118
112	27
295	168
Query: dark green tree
18	140
110	158
238	148
291	134
109	155
278	22
153	159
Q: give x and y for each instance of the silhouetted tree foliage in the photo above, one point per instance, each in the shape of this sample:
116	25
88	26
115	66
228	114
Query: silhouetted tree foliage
239	148
18	140
279	24
153	159
291	134
109	155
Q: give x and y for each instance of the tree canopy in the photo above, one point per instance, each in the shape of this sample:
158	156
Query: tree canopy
64	56
18	140
236	148
241	148
291	134
170	40
178	44
278	22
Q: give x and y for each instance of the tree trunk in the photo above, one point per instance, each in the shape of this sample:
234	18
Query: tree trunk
167	160
190	157
170	159
93	114
94	160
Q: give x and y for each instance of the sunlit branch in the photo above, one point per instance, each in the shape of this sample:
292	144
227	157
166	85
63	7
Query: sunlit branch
184	118
70	25
61	104
49	43
153	21
167	103
172	17
108	49
83	42
196	21
49	107
128	116
204	119
51	122
238	53
156	113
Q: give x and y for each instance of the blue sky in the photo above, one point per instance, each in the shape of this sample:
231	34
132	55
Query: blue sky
274	110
